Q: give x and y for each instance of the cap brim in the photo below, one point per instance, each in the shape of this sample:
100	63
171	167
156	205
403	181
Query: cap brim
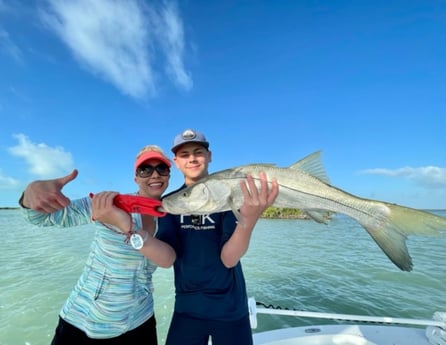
152	155
205	144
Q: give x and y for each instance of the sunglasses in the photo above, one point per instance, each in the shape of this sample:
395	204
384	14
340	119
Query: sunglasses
147	170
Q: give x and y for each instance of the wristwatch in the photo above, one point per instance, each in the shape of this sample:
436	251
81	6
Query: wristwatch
137	241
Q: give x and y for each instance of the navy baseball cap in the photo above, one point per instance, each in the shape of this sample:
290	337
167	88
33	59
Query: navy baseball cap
189	136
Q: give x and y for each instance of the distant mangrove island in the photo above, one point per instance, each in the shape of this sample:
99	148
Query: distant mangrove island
290	213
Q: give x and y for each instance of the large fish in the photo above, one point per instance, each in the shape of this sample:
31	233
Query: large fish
305	186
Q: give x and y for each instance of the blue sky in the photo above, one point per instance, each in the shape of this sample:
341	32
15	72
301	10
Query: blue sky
86	84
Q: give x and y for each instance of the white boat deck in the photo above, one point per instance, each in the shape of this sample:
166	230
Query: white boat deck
343	335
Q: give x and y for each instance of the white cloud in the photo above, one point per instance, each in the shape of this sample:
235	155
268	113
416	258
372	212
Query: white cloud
119	40
171	37
429	176
8	182
43	161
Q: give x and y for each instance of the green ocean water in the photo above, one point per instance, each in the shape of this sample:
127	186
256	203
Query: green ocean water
294	264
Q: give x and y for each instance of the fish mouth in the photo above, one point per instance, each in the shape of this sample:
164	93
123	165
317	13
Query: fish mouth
165	207
161	209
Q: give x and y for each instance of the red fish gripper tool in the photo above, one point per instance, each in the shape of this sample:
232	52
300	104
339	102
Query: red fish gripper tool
137	204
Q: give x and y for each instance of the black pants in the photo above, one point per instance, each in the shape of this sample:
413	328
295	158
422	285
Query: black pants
67	334
185	330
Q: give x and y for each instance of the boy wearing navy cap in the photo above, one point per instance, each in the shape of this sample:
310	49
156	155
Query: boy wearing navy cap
210	291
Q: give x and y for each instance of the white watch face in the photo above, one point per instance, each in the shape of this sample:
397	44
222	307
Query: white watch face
136	241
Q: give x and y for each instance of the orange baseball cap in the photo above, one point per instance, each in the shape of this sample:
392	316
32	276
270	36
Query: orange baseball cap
145	156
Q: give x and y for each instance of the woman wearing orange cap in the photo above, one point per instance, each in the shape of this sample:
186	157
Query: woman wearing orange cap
112	302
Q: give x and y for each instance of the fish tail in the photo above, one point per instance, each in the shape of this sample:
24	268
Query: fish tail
401	222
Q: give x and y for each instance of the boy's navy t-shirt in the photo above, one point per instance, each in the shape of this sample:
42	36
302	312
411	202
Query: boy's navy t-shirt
204	287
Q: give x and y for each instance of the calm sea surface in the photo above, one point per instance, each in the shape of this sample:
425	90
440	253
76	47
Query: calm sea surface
295	264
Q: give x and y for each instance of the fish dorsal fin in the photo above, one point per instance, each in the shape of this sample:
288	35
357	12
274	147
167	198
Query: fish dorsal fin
312	165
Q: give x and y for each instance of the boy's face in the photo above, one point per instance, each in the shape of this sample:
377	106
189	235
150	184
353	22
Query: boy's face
192	160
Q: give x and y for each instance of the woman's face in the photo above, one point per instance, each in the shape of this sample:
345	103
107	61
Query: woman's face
152	177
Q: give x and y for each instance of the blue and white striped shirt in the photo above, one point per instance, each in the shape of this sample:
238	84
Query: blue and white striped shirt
114	292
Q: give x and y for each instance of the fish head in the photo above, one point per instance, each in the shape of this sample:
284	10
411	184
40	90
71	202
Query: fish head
200	198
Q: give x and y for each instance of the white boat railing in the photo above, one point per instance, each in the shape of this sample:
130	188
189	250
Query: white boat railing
438	321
